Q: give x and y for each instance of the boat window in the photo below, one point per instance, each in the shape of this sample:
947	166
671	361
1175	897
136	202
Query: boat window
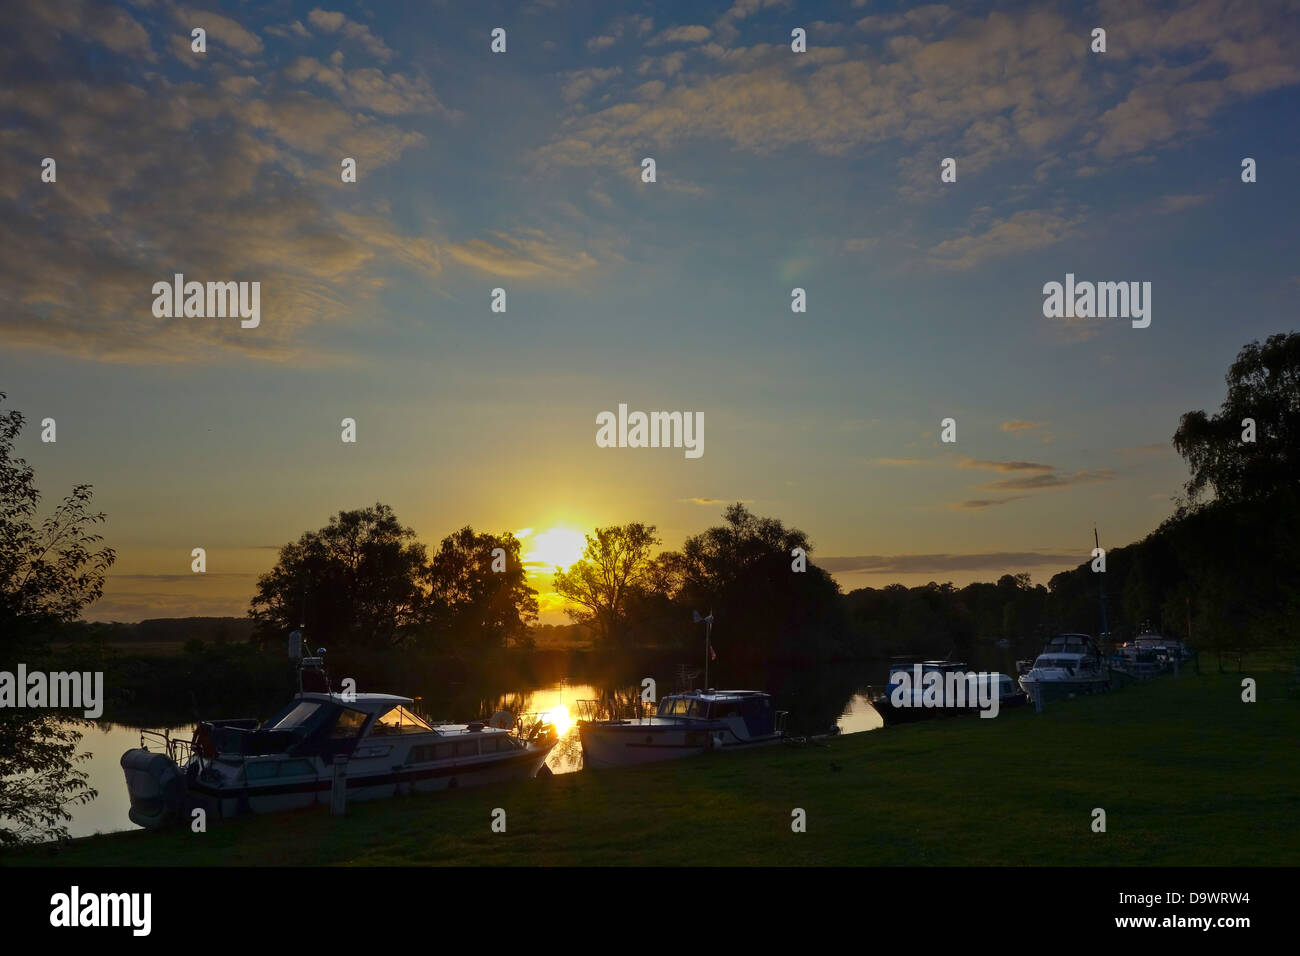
444	751
722	709
466	748
426	752
296	717
399	720
680	706
697	708
349	723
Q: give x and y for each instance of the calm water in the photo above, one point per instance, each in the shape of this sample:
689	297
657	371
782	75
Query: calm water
107	742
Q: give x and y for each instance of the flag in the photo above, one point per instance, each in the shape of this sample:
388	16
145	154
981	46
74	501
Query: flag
712	655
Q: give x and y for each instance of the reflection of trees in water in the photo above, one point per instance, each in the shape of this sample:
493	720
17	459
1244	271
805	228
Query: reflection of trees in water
567	754
41	782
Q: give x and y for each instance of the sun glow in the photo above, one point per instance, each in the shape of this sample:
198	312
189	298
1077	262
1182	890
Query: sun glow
560	717
556	548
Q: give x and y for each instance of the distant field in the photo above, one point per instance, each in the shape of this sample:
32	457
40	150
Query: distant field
1186	772
136	648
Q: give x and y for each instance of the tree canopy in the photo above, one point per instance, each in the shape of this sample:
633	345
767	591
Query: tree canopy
1263	386
51	569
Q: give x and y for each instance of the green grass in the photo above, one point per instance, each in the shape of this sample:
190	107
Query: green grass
1186	772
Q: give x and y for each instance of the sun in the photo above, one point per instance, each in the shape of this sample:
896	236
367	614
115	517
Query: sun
560	718
556	547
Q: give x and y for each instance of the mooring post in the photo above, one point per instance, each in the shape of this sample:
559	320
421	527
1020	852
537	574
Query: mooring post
339	790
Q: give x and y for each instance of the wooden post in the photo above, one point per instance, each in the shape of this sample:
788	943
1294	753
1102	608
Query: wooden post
339	790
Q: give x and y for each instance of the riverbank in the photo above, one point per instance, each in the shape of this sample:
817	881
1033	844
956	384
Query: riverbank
1187	774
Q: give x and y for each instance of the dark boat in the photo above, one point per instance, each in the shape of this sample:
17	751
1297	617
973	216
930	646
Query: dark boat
905	699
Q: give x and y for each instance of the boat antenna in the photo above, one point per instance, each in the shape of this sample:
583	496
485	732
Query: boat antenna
708	643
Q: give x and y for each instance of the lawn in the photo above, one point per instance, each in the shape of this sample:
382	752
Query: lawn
1186	772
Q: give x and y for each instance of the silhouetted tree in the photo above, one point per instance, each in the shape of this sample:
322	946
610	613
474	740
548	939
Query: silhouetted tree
50	571
615	566
470	604
358	581
1263	385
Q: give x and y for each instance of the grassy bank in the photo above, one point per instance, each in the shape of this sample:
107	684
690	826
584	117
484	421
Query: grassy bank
1187	774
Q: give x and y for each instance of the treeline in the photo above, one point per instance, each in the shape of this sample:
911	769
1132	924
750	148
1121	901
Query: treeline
1223	570
207	630
1224	575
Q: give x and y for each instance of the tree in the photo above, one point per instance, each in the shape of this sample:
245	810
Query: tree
49	572
615	565
469	602
715	558
742	571
358	581
1263	385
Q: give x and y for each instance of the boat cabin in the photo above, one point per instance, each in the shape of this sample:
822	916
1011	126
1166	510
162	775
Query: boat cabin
329	725
751	706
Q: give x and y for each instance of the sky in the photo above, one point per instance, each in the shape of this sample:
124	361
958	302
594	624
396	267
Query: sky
523	170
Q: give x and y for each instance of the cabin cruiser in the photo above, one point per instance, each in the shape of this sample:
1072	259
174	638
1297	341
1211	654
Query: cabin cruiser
1166	649
683	725
949	693
1069	664
1135	661
290	761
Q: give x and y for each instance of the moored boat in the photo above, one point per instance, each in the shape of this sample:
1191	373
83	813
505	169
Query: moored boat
955	689
1069	664
375	742
683	725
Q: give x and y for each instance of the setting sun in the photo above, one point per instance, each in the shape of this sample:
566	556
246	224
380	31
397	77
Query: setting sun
560	717
556	548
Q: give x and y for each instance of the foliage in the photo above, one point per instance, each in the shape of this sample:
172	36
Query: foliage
50	570
615	570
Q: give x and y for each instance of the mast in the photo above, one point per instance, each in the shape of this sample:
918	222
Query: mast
708	645
1105	625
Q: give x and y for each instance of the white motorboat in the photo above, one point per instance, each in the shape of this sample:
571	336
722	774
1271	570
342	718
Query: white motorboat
1070	664
683	725
375	741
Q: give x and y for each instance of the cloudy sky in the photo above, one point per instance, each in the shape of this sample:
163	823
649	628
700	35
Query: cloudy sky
522	170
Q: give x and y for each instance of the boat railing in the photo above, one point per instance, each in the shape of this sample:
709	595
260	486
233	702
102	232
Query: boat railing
612	709
178	749
530	725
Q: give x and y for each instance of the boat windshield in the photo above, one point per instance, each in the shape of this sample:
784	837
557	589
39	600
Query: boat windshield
296	717
681	707
399	720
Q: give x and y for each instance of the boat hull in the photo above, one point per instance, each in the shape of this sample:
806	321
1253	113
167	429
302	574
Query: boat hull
621	745
226	800
892	716
1048	690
